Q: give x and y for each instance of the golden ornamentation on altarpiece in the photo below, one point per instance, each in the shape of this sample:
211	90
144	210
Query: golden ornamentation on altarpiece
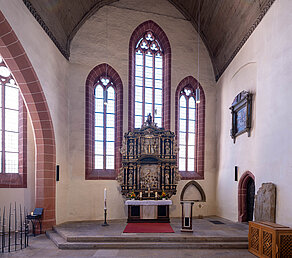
149	163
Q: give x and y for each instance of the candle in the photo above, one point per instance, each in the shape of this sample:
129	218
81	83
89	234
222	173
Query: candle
155	194
140	195
104	197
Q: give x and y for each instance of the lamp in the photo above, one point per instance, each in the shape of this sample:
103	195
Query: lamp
198	95
198	89
105	81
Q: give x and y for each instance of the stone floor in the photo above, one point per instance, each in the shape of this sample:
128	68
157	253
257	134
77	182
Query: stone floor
41	246
202	227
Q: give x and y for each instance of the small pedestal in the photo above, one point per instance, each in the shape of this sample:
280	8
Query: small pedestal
187	207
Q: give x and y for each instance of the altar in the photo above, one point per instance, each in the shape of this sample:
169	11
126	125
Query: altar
148	210
149	172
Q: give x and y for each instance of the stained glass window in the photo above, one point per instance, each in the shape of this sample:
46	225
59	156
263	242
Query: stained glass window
187	130
105	117
148	80
9	128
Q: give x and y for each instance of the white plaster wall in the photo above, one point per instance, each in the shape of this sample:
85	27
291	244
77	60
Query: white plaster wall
263	66
22	196
104	38
51	69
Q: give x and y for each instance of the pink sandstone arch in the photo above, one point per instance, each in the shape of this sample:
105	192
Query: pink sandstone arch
18	62
242	192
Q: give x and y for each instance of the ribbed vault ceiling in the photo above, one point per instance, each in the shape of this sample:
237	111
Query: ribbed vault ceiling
224	25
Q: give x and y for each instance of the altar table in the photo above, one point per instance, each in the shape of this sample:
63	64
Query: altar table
148	210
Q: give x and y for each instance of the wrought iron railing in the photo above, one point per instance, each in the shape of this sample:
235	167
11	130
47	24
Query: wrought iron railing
13	229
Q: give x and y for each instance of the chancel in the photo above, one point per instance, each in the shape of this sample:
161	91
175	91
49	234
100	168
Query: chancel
169	118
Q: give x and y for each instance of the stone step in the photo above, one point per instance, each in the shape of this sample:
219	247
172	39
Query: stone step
133	237
61	243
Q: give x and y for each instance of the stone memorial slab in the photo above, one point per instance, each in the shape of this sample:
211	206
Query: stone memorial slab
265	203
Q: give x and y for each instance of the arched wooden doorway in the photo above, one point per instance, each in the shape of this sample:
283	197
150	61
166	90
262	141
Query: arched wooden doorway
246	192
18	62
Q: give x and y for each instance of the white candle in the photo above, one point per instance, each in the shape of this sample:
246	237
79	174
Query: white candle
104	196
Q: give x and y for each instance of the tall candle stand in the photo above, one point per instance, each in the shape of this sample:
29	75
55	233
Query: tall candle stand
105	208
105	223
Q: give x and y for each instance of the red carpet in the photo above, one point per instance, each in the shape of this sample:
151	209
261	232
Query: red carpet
148	228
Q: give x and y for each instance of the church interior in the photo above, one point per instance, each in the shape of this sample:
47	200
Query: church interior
118	101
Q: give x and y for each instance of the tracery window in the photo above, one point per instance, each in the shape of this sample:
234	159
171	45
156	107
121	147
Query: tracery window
187	130
104	124
190	128
9	121
148	80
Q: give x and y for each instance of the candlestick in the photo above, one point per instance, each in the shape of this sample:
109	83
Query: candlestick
105	223
104	198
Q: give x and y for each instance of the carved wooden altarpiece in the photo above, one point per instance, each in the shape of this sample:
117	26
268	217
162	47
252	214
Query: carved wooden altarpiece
149	164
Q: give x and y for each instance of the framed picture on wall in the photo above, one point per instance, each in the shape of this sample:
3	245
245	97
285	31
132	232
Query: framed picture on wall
241	114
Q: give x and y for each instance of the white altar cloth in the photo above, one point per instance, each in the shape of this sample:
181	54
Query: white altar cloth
148	202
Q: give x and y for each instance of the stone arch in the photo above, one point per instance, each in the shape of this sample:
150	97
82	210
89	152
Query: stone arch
242	193
18	62
198	187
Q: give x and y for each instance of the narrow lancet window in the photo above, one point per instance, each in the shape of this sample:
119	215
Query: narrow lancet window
187	130
105	117
9	121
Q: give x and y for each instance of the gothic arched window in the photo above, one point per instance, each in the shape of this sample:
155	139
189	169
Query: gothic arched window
187	130
104	123
148	79
12	131
149	76
190	128
105	117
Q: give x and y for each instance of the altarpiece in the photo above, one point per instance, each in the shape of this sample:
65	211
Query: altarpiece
149	164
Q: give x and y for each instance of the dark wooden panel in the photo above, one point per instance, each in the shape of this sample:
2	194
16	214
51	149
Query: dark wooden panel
224	25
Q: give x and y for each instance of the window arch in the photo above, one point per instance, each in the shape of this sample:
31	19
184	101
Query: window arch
190	128
104	136
149	76
104	111
12	131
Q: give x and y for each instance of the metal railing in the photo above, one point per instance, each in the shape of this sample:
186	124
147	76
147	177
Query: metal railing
13	229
